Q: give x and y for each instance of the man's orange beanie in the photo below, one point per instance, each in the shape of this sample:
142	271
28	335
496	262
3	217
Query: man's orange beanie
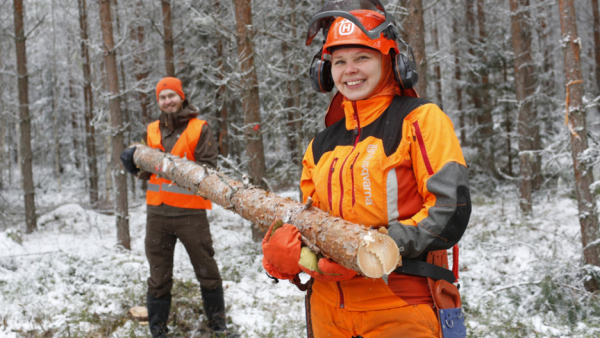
170	83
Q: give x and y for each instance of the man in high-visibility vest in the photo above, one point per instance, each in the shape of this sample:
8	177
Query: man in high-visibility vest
173	212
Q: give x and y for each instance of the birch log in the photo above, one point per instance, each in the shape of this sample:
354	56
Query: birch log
370	252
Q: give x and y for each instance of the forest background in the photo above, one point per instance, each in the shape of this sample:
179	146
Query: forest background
520	79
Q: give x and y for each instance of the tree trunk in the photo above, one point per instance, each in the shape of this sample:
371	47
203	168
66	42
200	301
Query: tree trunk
3	153
138	34
525	88
88	98
474	84
74	124
458	81
415	28
168	37
250	98
367	251
118	172
222	103
295	91
485	122
576	113
438	68
250	94
596	14
26	161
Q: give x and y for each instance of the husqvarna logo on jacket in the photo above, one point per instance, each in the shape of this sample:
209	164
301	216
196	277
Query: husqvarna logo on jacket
346	27
366	180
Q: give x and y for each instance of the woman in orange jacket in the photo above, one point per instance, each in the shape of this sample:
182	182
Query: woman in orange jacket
386	159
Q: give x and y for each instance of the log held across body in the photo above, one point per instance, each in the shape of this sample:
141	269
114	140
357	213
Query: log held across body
366	251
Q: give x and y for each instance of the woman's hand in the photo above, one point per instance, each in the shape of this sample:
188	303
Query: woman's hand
281	250
323	269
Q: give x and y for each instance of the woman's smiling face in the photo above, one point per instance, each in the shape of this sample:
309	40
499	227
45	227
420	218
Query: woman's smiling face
356	71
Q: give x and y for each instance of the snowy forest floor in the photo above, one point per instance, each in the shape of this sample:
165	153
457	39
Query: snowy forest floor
519	278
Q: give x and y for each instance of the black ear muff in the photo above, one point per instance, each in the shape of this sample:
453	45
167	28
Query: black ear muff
320	74
405	70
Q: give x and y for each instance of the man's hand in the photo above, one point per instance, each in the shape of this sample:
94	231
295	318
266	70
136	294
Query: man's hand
323	269
281	249
127	159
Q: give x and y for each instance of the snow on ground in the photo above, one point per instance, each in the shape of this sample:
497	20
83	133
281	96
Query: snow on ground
519	278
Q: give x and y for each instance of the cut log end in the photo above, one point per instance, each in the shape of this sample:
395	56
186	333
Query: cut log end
378	255
140	313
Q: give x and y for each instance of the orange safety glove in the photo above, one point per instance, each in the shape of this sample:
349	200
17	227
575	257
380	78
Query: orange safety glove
323	269
281	250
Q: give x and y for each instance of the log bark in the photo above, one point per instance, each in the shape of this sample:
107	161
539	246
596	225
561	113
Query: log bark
116	118
367	251
588	218
26	160
88	98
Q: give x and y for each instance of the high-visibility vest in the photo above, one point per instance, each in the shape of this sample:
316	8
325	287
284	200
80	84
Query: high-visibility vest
161	190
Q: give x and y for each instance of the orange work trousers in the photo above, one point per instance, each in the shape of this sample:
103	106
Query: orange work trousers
411	321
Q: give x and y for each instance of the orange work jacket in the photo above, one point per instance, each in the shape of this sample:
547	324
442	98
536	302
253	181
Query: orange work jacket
391	162
161	190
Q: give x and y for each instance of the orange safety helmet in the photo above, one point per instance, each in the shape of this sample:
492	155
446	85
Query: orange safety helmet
358	22
345	32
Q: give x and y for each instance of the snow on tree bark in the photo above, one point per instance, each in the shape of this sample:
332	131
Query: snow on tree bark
26	160
367	251
117	128
576	114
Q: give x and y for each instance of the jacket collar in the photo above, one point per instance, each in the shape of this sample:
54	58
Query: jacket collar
366	111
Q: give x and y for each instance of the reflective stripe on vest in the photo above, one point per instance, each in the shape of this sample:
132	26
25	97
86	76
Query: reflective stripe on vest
153	187
161	190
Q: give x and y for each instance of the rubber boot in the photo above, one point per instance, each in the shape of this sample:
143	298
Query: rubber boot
214	310
158	314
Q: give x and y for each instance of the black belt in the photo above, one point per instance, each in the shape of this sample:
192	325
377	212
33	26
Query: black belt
423	269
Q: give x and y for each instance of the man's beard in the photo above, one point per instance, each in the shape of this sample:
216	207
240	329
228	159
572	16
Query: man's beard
168	120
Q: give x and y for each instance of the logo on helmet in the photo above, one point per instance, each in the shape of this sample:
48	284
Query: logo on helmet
346	27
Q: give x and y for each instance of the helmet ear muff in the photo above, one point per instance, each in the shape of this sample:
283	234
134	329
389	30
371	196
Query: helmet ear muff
320	75
405	71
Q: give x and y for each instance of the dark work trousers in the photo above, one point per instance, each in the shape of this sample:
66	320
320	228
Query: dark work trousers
194	232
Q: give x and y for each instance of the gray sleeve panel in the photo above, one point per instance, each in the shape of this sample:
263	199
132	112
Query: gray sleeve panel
447	220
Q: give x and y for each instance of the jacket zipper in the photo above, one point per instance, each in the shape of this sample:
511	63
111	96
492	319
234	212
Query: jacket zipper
352	172
339	285
356	139
329	193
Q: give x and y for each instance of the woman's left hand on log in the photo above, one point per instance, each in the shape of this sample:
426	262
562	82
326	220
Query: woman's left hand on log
281	250
323	269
